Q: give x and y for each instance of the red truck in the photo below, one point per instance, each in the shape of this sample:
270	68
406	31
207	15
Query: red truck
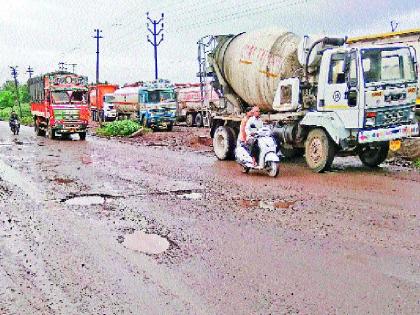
102	107
59	104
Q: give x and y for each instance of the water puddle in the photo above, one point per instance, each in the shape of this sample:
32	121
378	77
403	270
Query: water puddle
85	201
146	243
191	196
267	205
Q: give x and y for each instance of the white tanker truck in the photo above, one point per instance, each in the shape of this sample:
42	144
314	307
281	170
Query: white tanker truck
322	97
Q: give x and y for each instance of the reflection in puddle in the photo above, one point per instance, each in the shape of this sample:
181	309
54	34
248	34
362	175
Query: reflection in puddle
85	201
146	243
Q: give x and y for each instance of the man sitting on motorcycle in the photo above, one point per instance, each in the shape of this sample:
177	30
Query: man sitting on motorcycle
252	126
13	116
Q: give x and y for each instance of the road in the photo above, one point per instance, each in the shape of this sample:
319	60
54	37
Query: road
217	241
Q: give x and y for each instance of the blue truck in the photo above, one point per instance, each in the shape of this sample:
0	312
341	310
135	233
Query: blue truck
157	105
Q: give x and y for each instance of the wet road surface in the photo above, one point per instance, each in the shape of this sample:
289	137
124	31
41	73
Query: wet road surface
107	227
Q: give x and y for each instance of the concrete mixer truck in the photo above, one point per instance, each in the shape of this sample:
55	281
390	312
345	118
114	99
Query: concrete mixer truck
322	97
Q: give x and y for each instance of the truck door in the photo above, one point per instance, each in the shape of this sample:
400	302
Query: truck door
341	93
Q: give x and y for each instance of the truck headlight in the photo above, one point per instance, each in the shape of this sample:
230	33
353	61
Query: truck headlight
370	122
412	113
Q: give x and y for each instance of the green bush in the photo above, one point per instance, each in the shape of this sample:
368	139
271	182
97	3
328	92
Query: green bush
417	163
26	118
118	128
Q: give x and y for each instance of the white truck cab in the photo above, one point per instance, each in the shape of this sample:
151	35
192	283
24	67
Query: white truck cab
110	113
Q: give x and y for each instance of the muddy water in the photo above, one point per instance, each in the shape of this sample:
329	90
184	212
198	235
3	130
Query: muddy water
85	201
146	243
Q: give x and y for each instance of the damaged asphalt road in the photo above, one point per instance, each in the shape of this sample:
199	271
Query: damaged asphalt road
110	227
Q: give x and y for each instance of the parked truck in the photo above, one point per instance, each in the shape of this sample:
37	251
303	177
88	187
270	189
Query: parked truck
190	102
59	104
101	107
322	97
404	37
157	105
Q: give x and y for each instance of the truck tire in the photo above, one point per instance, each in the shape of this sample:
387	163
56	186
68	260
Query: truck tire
189	120
82	136
50	133
224	142
38	131
319	150
374	154
170	127
198	120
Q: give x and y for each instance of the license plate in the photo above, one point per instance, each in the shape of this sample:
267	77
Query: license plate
394	145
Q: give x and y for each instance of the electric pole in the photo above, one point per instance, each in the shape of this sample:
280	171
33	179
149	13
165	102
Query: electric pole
15	74
61	66
30	71
155	34
394	25
98	37
73	66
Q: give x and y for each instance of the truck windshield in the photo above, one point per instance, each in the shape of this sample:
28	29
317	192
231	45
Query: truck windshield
60	97
159	96
78	97
109	98
389	65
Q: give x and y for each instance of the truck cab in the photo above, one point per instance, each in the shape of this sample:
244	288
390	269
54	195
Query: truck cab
366	99
368	91
110	112
157	106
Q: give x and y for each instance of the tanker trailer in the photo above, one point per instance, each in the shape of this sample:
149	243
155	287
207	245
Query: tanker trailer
315	92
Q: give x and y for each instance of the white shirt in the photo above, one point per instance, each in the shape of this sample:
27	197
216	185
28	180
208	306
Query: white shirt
257	124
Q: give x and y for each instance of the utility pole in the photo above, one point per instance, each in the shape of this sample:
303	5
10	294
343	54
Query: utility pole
73	66
30	71
155	34
98	37
394	25
61	66
15	74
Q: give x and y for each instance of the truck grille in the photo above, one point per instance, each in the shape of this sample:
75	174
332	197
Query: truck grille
392	116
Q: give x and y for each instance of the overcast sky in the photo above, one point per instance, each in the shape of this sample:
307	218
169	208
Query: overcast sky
41	33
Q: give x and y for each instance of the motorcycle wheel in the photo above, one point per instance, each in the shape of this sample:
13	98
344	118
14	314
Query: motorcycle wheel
273	169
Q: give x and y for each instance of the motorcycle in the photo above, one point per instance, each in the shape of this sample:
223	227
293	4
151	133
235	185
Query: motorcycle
268	159
15	126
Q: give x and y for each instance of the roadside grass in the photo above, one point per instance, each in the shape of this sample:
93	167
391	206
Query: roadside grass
26	118
120	128
417	163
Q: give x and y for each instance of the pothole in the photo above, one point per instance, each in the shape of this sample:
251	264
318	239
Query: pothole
85	201
146	243
267	205
191	196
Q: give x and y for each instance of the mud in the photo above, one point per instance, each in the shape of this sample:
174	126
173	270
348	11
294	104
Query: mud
343	242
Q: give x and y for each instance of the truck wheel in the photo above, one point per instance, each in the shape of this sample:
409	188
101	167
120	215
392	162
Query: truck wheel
38	131
170	127
50	133
319	150
224	143
82	136
189	120
374	154
198	120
